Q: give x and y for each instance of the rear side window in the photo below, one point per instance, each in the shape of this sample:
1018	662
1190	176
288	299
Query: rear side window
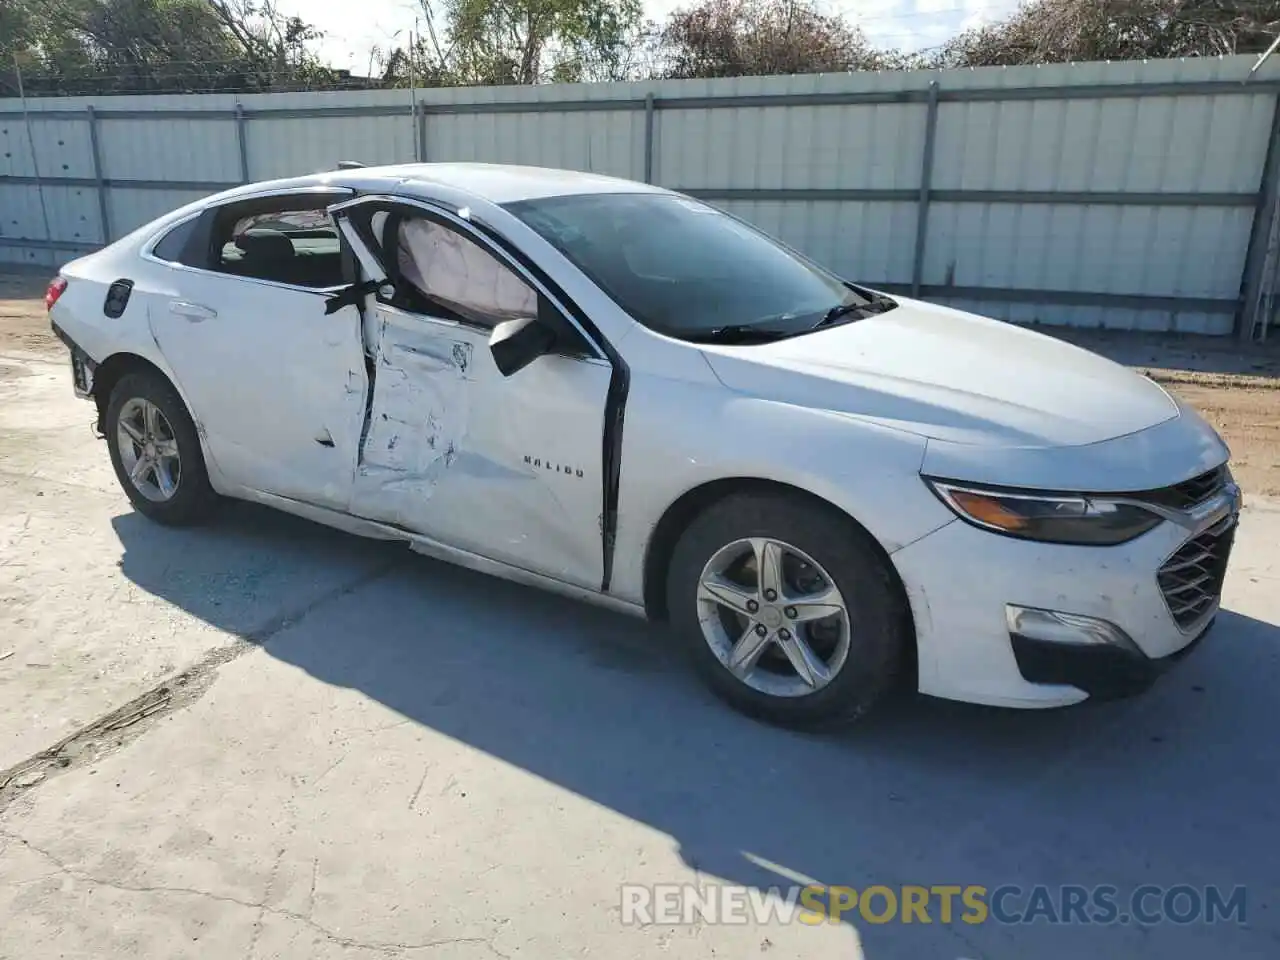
310	232
288	239
173	245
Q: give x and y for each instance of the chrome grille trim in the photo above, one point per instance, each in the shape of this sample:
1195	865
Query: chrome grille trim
1200	488
1187	586
1189	562
1188	493
1191	578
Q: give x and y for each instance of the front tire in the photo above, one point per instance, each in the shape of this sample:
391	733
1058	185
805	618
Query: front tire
156	452
788	610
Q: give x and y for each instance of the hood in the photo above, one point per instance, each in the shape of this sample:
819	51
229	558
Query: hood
950	376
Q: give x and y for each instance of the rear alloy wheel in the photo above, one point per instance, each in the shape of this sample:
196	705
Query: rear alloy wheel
155	451
788	610
149	450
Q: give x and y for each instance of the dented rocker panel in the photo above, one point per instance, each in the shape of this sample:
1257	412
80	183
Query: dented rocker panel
439	551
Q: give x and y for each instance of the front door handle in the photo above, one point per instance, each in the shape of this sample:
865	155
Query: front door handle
194	312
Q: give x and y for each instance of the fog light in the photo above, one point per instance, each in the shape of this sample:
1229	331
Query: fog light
1050	626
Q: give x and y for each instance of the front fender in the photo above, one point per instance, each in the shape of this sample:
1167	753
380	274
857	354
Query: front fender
680	436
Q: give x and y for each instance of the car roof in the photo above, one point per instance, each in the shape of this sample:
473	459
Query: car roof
498	183
508	183
494	182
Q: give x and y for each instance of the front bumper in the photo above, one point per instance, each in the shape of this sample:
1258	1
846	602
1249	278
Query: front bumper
1103	671
961	580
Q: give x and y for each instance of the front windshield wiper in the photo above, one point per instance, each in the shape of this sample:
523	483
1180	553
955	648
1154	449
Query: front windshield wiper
838	311
733	333
869	305
875	305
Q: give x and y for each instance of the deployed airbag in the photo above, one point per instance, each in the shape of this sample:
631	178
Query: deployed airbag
448	267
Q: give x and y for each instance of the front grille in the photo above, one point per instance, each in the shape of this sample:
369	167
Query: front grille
1189	492
1191	579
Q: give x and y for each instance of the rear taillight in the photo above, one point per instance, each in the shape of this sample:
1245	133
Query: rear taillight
56	286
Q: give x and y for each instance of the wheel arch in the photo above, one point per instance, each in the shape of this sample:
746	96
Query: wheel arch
113	369
677	517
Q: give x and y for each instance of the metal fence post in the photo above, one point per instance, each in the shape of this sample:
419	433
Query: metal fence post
648	138
422	132
1255	261
242	141
104	215
926	183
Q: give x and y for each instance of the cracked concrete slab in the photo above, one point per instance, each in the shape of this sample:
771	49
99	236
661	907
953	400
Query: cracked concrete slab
439	758
444	850
84	629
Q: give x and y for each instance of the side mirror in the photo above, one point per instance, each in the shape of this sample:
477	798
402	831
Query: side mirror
517	343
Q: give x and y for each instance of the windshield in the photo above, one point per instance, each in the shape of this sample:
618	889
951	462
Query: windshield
684	268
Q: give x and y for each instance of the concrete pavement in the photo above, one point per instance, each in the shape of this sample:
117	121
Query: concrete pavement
333	748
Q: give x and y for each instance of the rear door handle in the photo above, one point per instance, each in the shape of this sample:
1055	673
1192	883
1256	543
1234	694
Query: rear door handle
194	312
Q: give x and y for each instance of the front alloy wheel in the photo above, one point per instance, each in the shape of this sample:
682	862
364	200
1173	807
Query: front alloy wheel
788	608
773	617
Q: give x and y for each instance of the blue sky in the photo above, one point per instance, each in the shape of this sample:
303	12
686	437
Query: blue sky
352	27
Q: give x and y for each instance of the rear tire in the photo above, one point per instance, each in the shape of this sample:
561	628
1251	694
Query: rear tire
156	452
823	648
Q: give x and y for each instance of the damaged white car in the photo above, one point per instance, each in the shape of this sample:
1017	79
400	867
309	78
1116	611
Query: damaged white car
623	394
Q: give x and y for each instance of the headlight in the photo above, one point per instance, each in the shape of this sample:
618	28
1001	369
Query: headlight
1049	517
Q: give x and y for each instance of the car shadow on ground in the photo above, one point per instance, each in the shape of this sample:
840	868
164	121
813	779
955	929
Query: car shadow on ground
1176	787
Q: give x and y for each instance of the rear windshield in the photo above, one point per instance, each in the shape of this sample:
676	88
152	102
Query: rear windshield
682	267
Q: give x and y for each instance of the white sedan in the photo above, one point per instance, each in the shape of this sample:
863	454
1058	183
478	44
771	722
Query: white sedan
617	392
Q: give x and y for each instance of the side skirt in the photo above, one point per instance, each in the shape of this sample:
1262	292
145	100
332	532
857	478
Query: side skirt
433	548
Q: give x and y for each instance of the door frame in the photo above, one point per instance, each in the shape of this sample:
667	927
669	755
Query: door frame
370	261
199	245
507	253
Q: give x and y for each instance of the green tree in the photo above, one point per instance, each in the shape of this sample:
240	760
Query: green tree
1059	31
464	42
737	38
127	46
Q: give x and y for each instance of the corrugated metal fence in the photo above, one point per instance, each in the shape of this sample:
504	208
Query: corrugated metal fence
1136	195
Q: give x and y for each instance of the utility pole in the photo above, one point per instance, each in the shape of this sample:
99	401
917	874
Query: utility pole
413	89
31	143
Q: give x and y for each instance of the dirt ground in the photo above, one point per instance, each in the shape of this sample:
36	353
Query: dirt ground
1246	411
23	322
1236	389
